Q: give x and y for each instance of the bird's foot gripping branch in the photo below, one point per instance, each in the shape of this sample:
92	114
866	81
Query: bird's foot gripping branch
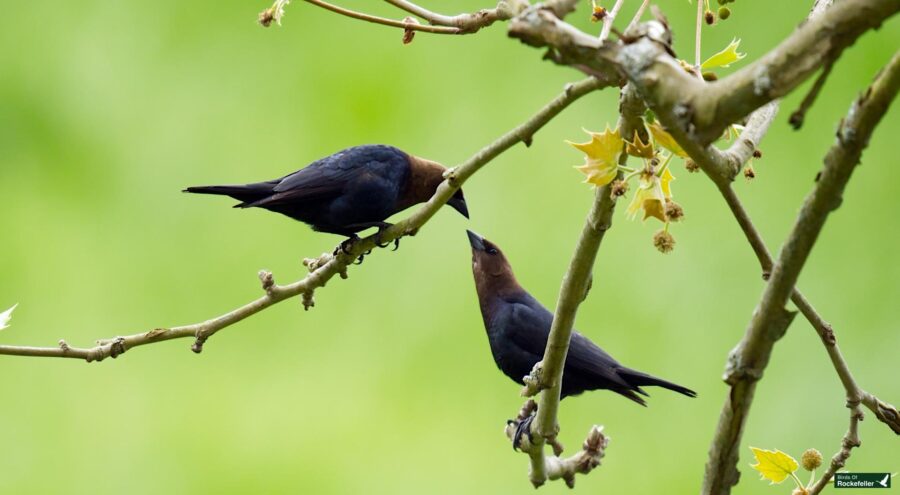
555	467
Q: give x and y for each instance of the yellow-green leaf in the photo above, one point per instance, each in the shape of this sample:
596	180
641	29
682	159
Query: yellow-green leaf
666	140
602	156
774	465
651	196
726	57
639	148
665	183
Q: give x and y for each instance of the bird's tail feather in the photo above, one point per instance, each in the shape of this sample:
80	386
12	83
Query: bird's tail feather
637	378
247	193
630	394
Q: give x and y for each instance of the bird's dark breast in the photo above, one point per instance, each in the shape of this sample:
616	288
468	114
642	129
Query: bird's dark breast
513	359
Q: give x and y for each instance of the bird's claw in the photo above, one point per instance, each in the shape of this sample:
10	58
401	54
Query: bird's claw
359	260
523	428
386	244
346	245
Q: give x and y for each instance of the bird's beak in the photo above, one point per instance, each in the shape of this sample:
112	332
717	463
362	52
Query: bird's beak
475	240
458	203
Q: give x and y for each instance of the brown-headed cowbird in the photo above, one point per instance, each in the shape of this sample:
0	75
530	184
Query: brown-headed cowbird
347	192
518	327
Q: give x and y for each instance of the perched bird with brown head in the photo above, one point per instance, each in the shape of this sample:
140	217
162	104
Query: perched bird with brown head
347	192
518	327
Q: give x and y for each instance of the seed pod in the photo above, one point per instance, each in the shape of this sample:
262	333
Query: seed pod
710	17
724	13
811	459
674	211
663	241
710	76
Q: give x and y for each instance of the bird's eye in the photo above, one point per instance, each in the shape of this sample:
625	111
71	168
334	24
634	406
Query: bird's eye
491	250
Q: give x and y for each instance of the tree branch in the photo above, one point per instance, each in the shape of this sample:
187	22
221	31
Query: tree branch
466	23
553	468
637	16
325	267
550	370
770	319
548	374
407	25
687	106
610	19
850	440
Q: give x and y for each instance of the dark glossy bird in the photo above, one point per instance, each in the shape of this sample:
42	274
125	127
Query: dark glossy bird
347	192
518	327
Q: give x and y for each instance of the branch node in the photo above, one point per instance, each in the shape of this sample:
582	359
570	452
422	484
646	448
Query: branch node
313	264
534	381
117	347
451	175
64	345
268	281
736	371
200	339
886	413
409	33
308	300
558	448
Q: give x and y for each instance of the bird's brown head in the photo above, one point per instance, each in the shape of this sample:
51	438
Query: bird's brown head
493	273
424	179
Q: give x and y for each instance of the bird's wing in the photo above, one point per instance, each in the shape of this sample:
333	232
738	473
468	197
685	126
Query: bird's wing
322	179
588	357
532	322
330	176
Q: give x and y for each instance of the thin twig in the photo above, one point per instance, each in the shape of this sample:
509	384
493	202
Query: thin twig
637	16
466	23
432	17
799	114
739	153
609	19
697	37
848	442
327	266
413	26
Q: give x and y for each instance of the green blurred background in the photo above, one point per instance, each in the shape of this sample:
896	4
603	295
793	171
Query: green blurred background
108	109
